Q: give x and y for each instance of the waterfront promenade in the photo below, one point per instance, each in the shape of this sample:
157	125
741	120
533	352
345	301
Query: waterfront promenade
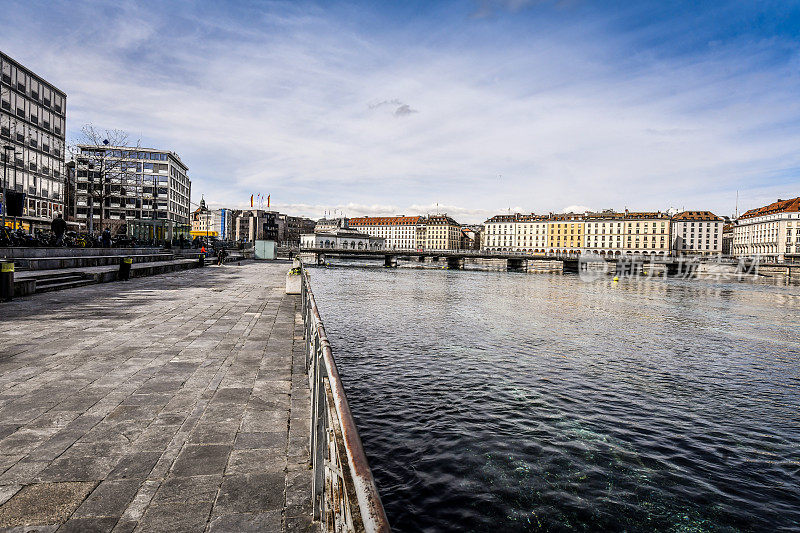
171	403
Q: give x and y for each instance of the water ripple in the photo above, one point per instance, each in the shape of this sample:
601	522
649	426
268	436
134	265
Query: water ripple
499	402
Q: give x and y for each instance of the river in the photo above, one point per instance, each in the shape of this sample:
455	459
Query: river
494	401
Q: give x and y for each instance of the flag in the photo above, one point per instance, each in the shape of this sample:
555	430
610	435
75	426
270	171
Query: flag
251	200
268	201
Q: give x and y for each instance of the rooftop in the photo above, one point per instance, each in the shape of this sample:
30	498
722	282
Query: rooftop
697	215
779	206
385	221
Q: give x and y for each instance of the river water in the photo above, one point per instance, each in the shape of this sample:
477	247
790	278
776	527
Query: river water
493	401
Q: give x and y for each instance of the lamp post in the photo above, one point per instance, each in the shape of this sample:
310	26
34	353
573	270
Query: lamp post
6	148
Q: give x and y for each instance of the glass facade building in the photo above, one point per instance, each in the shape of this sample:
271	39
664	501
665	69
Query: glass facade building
118	185
32	122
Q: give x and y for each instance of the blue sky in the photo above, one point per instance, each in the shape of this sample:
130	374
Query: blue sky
472	108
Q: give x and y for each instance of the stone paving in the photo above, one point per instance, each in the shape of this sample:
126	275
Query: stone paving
173	403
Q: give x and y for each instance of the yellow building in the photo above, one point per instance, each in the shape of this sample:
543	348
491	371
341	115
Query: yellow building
439	232
565	234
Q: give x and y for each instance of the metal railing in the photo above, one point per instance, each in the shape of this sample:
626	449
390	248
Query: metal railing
344	495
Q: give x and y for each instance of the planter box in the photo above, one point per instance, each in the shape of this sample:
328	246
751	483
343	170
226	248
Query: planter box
293	283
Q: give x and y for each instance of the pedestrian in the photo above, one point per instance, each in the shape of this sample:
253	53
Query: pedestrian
105	237
203	250
221	256
58	226
182	240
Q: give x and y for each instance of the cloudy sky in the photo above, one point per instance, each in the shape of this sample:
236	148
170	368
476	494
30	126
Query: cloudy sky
472	107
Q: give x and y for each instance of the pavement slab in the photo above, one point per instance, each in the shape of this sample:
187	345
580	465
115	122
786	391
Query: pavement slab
176	402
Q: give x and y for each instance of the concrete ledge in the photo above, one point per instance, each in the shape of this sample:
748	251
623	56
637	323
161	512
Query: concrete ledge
26	252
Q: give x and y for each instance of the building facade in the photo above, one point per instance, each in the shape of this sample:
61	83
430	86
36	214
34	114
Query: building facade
293	228
342	239
438	232
605	233
565	234
399	233
697	233
772	231
647	233
32	123
330	224
142	188
257	224
500	233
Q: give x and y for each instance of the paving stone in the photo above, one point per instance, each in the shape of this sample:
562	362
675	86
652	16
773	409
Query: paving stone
43	504
197	460
156	406
264	460
250	493
88	525
246	522
188	489
136	465
184	517
261	439
110	498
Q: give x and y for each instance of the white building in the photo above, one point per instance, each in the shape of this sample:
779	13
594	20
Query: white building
770	231
341	239
697	233
399	233
501	233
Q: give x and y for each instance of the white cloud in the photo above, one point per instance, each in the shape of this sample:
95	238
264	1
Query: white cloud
323	116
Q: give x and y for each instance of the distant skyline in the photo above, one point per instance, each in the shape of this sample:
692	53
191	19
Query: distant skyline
472	108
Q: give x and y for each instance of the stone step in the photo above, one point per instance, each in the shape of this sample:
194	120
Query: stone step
27	283
50	263
55	280
64	285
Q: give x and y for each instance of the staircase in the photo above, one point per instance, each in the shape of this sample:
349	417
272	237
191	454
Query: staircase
47	282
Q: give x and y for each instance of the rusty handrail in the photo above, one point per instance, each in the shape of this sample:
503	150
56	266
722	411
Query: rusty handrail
344	496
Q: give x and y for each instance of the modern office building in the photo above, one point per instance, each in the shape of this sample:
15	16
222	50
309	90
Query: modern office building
772	231
32	125
143	190
697	233
293	228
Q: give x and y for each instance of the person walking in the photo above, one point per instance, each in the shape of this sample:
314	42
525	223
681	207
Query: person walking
106	238
58	226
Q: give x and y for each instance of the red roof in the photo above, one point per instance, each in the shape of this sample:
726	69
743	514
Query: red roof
697	215
385	221
781	206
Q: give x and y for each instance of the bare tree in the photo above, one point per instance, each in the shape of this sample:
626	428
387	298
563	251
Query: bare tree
103	156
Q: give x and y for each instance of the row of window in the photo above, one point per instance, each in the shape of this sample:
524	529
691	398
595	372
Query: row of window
31	86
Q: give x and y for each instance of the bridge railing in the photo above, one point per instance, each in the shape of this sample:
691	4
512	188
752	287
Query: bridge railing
344	495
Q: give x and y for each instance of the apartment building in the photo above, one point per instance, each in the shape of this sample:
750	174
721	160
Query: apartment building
565	234
772	231
605	233
32	125
647	233
697	233
145	189
398	233
500	233
438	232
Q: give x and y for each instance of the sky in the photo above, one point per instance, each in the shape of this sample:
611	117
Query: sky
472	108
